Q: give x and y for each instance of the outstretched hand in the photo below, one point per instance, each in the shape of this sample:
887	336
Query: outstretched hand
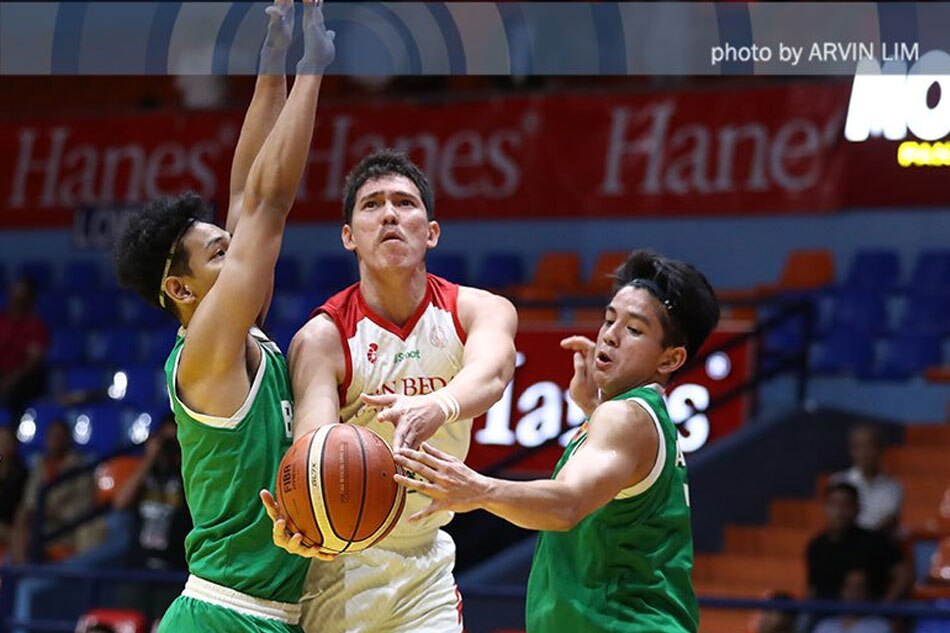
416	418
280	34
583	389
318	48
283	538
450	484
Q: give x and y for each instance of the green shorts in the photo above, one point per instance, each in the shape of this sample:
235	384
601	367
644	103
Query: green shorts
188	615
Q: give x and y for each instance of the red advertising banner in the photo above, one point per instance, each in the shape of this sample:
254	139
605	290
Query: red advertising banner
536	407
700	153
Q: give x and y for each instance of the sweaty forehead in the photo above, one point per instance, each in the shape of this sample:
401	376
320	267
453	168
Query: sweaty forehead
389	183
201	232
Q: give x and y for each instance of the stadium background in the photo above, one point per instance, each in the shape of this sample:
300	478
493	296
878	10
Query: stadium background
832	259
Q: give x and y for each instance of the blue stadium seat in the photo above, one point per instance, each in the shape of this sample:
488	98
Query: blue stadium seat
96	428
53	307
157	345
84	379
67	347
331	273
287	275
501	270
82	276
290	308
927	312
94	309
133	310
451	266
874	270
932	270
39	272
908	354
846	349
145	386
115	347
5	418
32	426
860	309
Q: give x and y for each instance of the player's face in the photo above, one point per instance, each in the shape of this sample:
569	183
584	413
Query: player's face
865	453
206	245
390	228
630	350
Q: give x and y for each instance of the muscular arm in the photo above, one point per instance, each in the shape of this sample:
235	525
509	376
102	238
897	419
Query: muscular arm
620	451
488	362
317	368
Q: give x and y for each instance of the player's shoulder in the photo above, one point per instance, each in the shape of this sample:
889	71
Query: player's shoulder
477	299
319	332
620	418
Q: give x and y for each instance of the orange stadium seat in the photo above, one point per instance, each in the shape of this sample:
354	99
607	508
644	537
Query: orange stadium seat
557	272
601	280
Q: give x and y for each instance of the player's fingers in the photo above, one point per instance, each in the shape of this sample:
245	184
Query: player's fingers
423	458
381	400
577	343
432	450
324	555
580	364
270	505
433	507
418	467
427	488
280	536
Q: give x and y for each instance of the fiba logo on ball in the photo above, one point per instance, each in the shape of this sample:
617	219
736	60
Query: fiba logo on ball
338	489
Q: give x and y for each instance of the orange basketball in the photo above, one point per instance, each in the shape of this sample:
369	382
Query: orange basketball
335	486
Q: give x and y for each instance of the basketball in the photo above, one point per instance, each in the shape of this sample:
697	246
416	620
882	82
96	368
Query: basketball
335	486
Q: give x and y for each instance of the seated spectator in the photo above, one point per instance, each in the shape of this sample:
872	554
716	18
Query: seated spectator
844	546
24	339
776	621
13	476
65	503
855	589
155	495
881	495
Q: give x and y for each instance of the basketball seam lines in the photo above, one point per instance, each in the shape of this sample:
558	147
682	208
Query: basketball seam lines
359	515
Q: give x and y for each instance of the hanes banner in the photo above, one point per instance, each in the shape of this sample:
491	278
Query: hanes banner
697	153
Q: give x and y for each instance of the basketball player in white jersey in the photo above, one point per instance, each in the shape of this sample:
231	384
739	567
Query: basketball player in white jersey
414	358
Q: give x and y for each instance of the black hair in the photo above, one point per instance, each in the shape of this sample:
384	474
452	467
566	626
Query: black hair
690	309
381	163
146	240
845	487
100	627
871	430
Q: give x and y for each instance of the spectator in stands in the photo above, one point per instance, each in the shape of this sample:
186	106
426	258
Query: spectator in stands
24	339
155	495
844	546
855	589
13	475
65	503
155	492
881	495
777	620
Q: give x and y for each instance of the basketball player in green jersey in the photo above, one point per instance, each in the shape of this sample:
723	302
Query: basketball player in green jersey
229	385
615	551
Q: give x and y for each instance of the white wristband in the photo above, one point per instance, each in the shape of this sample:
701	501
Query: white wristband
448	403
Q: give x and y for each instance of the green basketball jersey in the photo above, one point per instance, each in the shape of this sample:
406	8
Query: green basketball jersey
225	464
627	566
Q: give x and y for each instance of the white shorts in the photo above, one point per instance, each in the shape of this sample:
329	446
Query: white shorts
395	587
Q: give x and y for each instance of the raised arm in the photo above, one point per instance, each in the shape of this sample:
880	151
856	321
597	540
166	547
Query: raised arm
620	451
215	346
488	363
270	94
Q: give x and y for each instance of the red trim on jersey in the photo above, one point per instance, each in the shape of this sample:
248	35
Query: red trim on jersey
445	295
340	310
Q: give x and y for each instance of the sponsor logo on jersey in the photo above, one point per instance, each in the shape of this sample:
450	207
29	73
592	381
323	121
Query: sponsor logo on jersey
401	356
372	353
412	386
437	337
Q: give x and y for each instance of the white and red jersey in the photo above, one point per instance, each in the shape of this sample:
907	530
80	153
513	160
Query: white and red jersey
413	360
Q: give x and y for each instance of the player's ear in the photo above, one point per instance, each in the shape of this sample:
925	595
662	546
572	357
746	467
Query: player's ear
346	234
435	231
177	289
671	360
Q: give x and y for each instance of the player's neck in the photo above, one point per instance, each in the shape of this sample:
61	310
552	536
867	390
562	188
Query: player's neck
394	295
